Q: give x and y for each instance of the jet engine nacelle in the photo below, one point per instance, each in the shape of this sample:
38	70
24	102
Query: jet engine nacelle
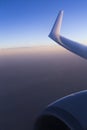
67	113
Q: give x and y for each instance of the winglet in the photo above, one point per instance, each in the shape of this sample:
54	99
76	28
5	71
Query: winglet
70	45
57	26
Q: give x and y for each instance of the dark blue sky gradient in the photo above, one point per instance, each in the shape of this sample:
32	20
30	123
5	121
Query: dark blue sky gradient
28	22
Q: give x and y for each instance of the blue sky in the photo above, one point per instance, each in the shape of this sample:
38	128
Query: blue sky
25	23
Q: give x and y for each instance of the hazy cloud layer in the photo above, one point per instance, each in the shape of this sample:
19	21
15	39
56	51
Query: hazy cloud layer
32	78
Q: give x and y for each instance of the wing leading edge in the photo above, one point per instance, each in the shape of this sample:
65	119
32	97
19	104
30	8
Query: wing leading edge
70	45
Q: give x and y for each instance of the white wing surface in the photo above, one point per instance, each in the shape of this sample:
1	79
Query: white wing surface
70	45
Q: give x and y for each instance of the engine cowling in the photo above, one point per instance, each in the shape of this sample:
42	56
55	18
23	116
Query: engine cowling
68	113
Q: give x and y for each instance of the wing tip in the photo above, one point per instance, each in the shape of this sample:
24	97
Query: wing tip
61	11
55	32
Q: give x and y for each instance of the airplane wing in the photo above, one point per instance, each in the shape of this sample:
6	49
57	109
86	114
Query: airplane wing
70	45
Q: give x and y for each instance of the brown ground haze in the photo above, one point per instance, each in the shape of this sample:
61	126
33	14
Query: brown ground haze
31	78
